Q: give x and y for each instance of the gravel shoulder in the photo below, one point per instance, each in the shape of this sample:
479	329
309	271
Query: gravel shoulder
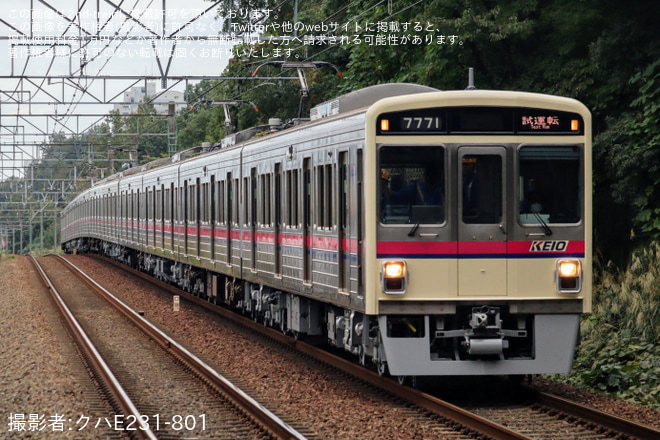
636	413
42	379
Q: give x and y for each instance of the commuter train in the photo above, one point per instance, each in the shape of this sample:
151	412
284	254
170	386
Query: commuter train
427	232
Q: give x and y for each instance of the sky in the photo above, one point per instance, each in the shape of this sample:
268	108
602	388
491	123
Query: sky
50	52
109	56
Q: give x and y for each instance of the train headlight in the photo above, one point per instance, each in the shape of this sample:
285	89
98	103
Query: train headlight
394	277
569	276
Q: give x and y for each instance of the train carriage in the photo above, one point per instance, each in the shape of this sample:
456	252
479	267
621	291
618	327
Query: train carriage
430	233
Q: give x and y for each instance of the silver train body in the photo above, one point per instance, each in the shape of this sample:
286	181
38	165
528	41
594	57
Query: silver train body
429	233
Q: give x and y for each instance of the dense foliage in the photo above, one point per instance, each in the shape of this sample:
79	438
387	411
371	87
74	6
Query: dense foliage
619	353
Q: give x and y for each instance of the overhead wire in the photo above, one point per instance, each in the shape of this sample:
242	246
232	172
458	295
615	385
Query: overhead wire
352	19
83	88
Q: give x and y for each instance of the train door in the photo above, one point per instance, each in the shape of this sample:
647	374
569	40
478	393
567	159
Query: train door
359	224
138	217
147	208
170	214
154	214
213	217
162	205
278	219
252	216
307	220
184	208
197	214
230	215
133	217
482	263
343	240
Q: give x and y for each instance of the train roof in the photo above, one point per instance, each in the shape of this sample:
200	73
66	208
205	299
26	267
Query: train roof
342	104
365	97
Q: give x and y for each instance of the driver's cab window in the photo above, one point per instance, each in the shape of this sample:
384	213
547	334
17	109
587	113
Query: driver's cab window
549	185
412	185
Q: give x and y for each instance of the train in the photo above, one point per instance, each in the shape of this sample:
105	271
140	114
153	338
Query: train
425	232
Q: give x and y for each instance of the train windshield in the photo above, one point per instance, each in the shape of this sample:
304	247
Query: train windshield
412	185
549	185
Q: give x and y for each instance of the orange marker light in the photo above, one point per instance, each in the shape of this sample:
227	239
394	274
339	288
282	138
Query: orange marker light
384	124
575	125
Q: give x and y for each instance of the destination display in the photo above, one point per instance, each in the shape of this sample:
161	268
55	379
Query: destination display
480	120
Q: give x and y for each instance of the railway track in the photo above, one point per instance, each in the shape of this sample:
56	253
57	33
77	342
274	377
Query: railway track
541	416
611	424
172	393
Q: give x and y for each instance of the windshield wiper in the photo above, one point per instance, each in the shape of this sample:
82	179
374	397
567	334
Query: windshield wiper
543	224
411	233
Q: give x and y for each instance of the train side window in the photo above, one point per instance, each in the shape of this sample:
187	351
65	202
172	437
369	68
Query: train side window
194	199
295	220
190	203
264	194
194	192
235	201
246	201
267	202
143	204
251	213
197	194
325	212
159	204
286	218
320	205
201	202
205	206
329	208
142	212
220	202
291	199
132	205
166	205
181	203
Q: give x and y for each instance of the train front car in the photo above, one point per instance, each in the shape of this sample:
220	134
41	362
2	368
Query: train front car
477	231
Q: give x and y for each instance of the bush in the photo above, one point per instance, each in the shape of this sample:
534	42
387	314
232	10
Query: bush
620	365
618	354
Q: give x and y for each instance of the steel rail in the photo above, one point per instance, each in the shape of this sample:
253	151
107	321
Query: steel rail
609	421
444	409
92	355
266	418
